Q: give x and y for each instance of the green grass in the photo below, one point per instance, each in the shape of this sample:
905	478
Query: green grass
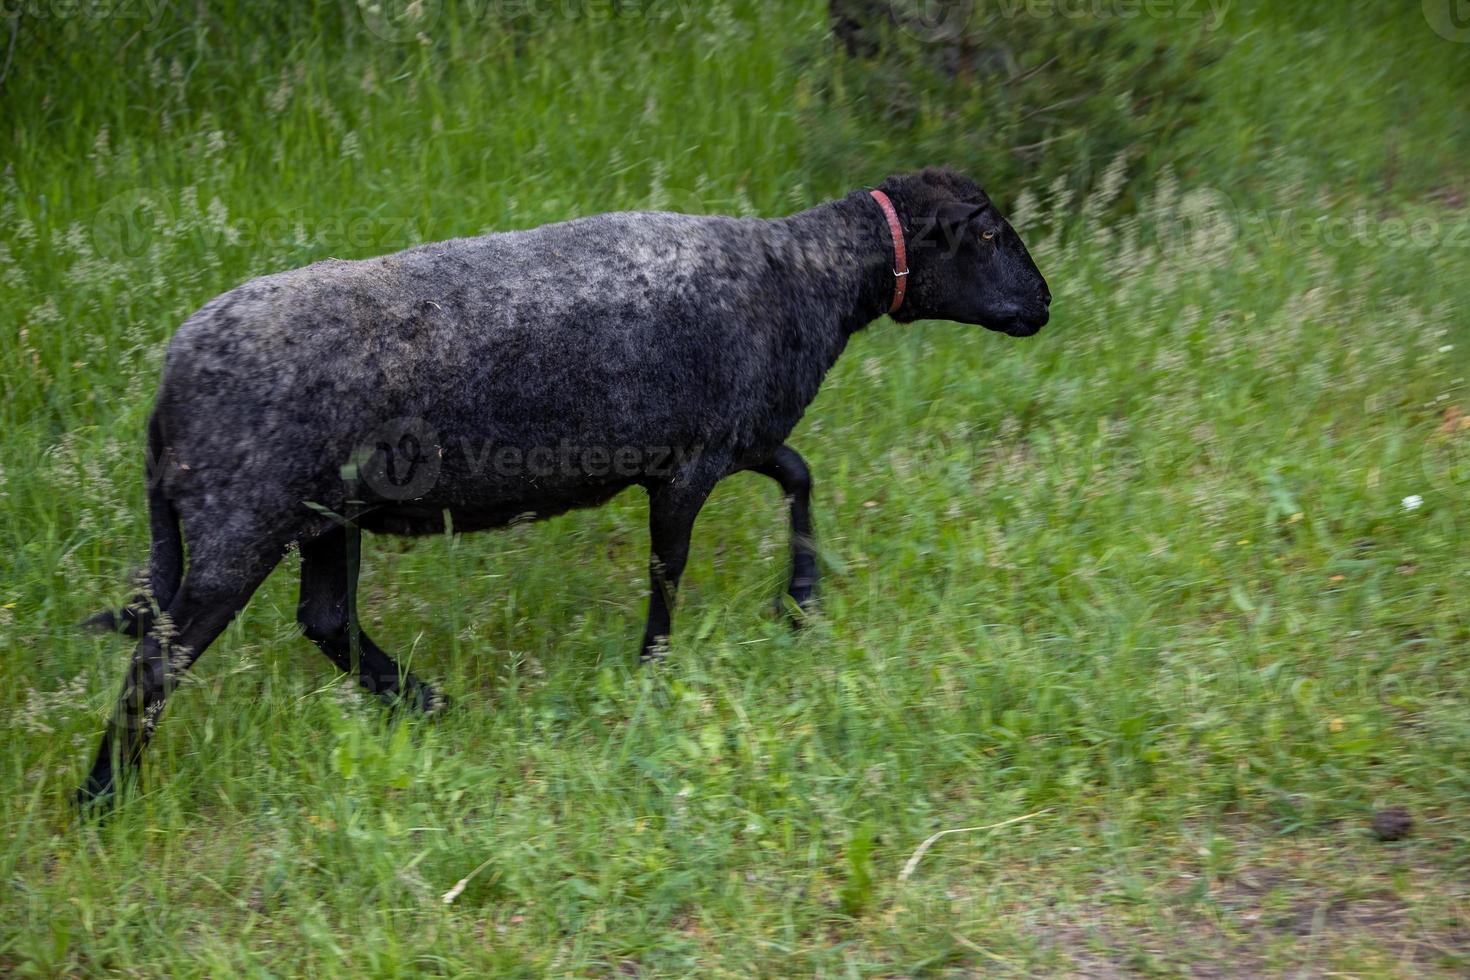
1144	586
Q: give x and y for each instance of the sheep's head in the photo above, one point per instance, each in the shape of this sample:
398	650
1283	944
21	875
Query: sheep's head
966	262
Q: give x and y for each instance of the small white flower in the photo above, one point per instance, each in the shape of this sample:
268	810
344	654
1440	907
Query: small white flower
1447	348
1413	502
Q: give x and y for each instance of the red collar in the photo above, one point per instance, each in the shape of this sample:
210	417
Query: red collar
900	254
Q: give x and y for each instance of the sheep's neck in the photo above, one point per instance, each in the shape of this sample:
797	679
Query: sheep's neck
840	268
843	260
831	275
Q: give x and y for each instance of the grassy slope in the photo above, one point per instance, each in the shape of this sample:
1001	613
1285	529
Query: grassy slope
1148	575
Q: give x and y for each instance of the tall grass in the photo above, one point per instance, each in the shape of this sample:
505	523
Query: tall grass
1179	584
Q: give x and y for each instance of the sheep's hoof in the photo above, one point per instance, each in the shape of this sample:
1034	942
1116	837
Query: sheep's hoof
419	698
95	801
797	608
654	651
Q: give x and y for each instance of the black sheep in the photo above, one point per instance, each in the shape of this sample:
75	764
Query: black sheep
485	380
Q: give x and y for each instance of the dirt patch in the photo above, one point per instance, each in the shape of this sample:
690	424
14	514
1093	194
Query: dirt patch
1296	907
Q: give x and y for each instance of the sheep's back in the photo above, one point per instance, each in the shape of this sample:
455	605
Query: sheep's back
635	329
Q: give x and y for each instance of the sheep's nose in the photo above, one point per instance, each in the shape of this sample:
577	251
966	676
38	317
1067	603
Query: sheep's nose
1045	296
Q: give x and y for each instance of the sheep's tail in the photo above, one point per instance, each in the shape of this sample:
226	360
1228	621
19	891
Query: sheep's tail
165	554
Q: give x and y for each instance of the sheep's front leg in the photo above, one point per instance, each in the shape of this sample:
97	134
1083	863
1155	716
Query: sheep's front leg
672	508
789	470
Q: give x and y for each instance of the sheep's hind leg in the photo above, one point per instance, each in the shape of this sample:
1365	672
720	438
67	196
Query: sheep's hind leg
672	508
214	590
322	613
788	469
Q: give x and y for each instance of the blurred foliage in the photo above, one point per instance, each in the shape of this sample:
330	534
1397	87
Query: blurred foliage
1244	92
993	89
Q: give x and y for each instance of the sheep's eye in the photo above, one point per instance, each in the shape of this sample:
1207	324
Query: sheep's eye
987	235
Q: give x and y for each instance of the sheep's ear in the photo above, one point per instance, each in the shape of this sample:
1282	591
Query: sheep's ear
947	229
